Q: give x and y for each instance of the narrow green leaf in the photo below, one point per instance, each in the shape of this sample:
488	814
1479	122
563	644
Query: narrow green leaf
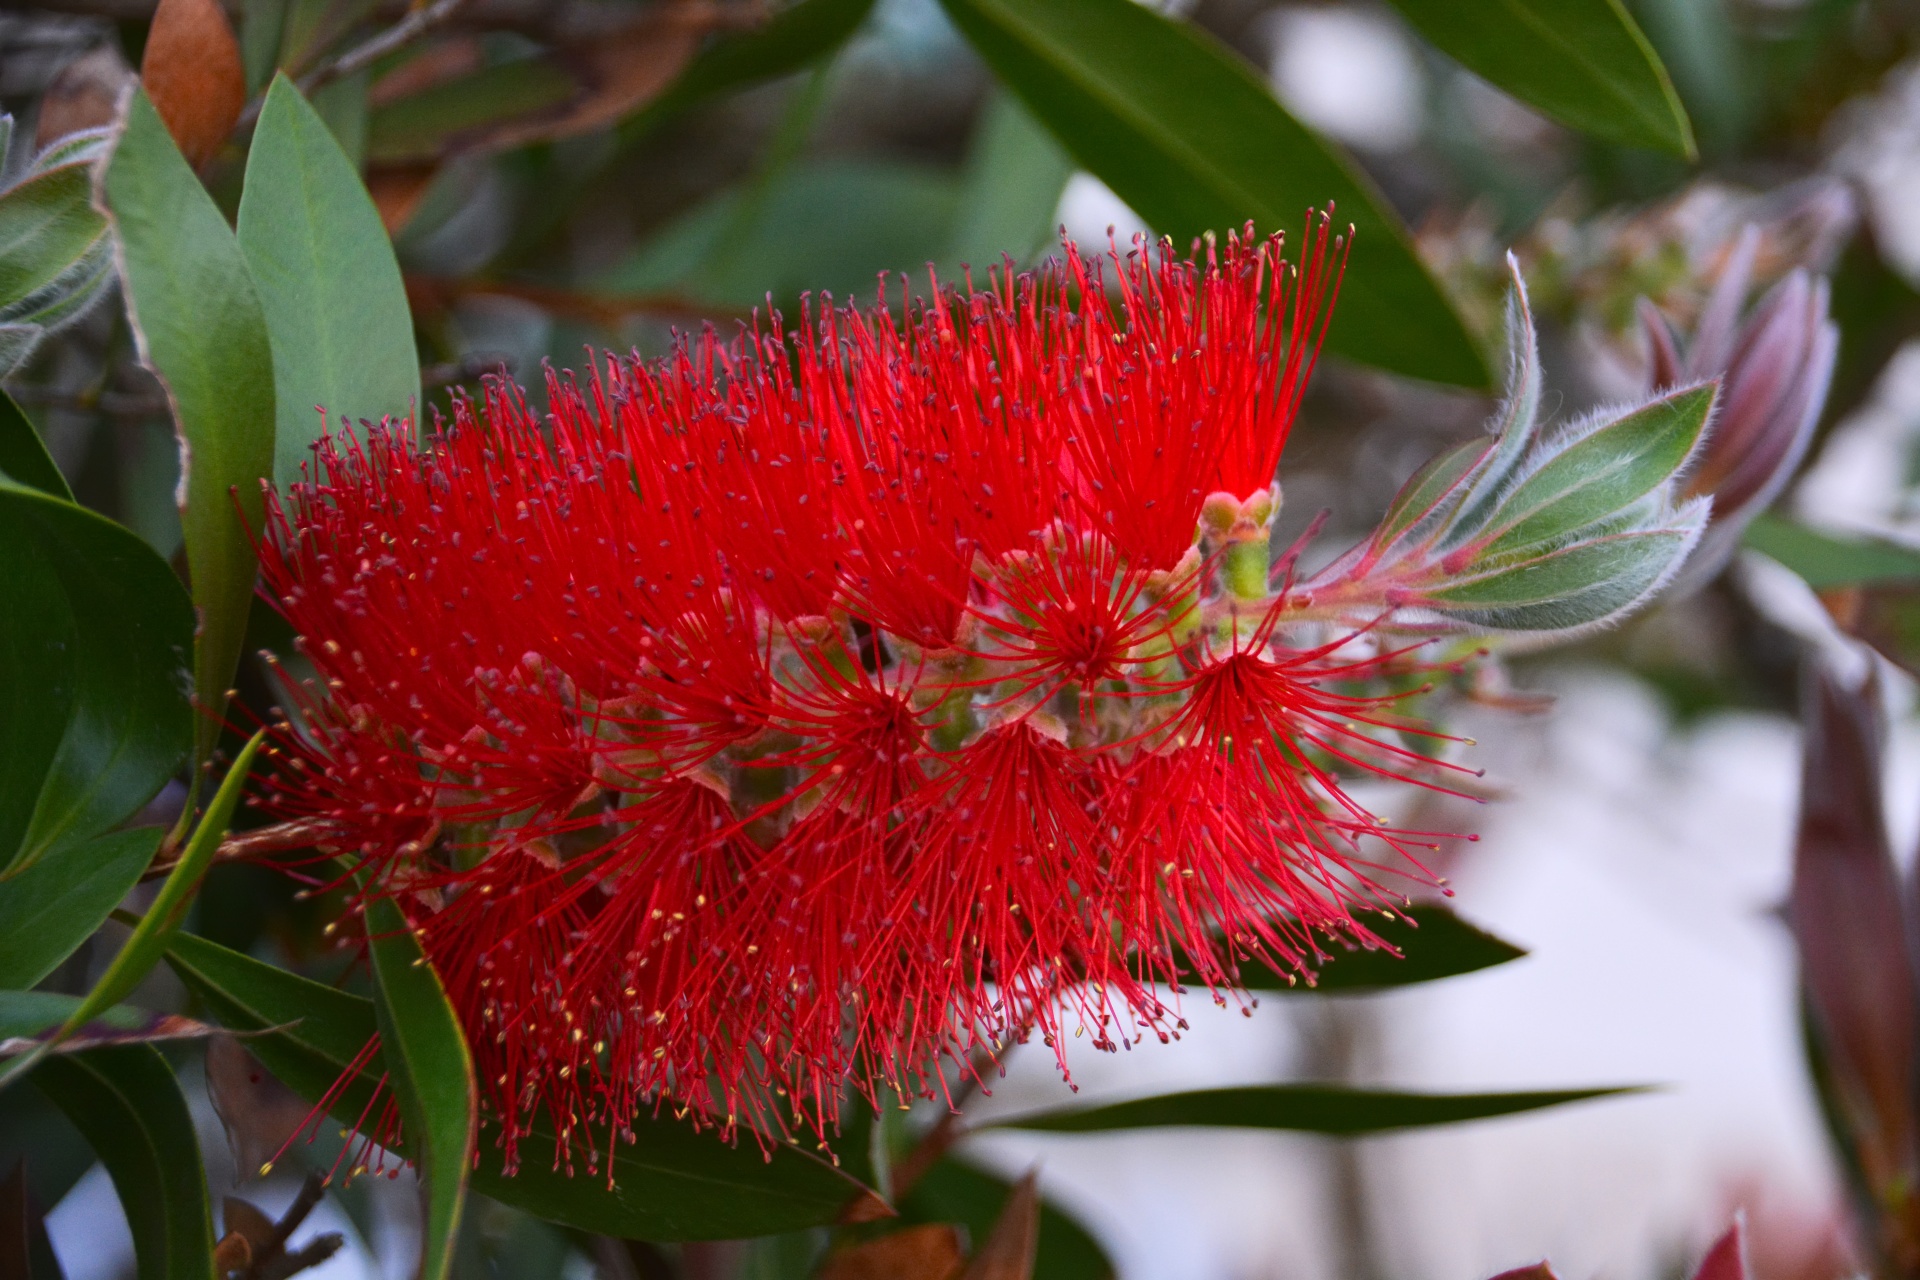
1825	560
421	126
788	41
126	1103
1607	470
1014	175
1585	63
198	325
1575	586
23	454
956	1191
328	282
47	224
1184	132
1433	943
1300	1108
432	1076
93	650
670	1183
147	943
49	909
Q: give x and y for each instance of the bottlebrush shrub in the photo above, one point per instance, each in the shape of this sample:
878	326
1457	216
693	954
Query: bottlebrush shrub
845	701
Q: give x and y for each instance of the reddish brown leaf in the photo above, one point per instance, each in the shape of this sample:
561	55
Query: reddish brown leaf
865	1207
397	191
434	65
1846	914
83	95
929	1252
1007	1252
1538	1271
619	74
245	1220
258	1112
25	1250
193	73
1727	1259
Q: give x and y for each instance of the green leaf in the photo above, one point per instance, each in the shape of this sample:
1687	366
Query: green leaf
955	1191
93	646
1433	943
1615	465
1014	175
1585	63
1299	1108
147	943
420	126
198	325
47	225
49	909
671	1183
1186	134
788	41
1575	586
23	455
328	282
432	1076
1828	561
126	1103
26	1016
829	226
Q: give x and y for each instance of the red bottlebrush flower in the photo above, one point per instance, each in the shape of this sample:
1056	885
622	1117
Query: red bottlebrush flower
840	701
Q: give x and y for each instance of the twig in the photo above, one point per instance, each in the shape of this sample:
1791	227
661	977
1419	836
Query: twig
417	23
239	847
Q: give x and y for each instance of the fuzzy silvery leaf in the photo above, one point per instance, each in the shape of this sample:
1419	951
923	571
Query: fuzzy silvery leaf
1530	533
55	257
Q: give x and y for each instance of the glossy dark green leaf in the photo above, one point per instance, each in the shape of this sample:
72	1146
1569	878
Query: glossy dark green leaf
147	943
1433	943
792	38
328	282
1585	63
1184	132
93	651
198	324
126	1103
956	1191
671	1183
1300	1108
55	904
1825	560
23	454
432	1076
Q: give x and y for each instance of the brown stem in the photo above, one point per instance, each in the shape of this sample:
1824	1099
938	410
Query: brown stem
281	837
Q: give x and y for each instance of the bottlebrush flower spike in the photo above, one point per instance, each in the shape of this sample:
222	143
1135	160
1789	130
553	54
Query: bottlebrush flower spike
1774	366
846	700
1523	534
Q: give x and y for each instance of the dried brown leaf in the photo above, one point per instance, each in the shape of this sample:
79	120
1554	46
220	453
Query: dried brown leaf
83	94
193	72
1007	1253
618	74
258	1112
928	1252
232	1253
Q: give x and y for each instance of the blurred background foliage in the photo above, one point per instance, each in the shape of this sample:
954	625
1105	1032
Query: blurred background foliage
565	176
